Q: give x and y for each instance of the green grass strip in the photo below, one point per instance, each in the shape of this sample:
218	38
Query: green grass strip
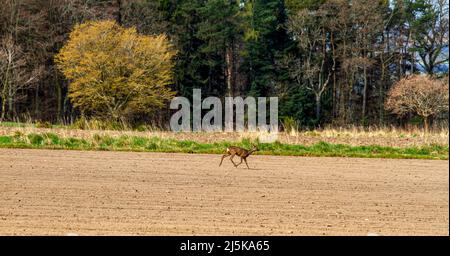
157	144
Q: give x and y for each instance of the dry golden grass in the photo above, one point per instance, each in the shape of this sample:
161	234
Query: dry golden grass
355	136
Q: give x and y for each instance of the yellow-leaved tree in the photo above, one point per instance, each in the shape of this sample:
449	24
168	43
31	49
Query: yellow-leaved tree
114	72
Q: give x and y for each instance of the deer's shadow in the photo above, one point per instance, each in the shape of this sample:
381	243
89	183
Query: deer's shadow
250	169
255	169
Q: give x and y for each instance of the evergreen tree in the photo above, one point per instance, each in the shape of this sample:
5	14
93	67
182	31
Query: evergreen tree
219	30
189	68
266	42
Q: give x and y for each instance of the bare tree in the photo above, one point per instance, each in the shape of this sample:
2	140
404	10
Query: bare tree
341	23
13	74
386	56
368	24
419	94
310	30
430	32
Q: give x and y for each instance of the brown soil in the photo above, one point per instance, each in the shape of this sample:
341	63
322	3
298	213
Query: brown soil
45	192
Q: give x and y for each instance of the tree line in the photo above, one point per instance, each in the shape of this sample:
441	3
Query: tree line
329	61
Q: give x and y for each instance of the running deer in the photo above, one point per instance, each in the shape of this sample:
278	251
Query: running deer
241	152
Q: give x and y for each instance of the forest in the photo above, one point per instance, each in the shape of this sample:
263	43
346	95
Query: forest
330	62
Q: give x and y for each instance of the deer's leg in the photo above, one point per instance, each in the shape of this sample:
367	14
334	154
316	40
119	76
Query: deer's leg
226	155
239	163
245	159
233	161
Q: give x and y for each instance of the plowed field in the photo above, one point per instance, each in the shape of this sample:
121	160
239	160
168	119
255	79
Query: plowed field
56	192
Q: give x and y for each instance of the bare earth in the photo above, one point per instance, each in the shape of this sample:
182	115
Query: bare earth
45	192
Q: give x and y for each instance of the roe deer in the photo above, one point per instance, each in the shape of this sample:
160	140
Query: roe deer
241	152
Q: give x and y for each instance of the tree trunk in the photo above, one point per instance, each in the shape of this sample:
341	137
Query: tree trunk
3	109
10	103
335	102
6	91
36	103
363	116
349	103
229	71
425	123
119	12
59	103
342	105
4	96
381	96
318	106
